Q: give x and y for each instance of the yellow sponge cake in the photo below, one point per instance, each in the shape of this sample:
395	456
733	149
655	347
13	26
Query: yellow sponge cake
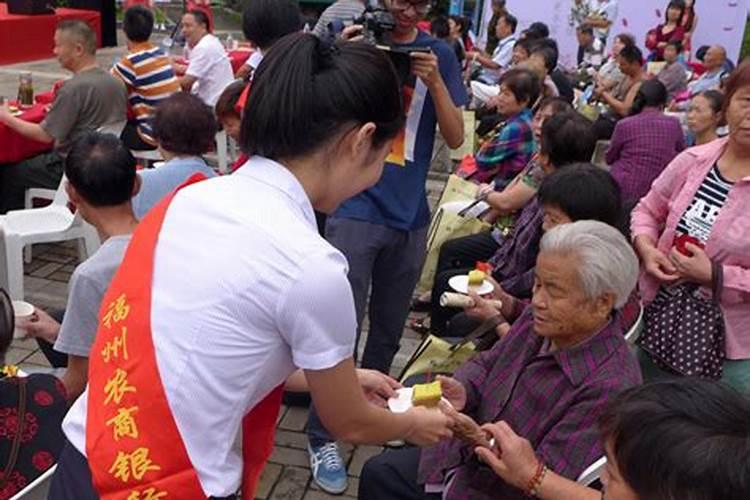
427	394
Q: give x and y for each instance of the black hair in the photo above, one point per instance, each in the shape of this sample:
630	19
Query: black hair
586	28
138	23
461	22
511	20
101	169
305	92
715	99
686	439
201	18
184	125
584	192
548	53
700	54
264	22
631	54
626	38
651	94
568	138
675	4
7	323
439	27
226	105
526	45
558	105
676	44
536	31
524	84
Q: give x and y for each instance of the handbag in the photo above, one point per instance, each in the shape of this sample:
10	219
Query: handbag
436	356
16	446
684	331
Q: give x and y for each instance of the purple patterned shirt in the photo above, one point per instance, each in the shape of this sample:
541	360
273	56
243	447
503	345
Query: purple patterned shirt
642	146
553	399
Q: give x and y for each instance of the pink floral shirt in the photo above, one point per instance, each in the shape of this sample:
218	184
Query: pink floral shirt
659	212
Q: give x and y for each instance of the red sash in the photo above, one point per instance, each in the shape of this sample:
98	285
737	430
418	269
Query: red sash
133	445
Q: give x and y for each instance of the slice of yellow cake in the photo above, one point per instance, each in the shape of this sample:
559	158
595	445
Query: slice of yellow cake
476	277
427	394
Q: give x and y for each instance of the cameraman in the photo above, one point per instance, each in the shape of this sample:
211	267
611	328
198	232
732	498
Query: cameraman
383	230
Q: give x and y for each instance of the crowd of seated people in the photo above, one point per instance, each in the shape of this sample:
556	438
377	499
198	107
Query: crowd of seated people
273	300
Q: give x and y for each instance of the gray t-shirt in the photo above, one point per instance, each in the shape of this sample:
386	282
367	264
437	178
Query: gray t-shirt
84	103
87	286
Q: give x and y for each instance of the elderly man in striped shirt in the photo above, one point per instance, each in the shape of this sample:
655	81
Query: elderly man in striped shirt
148	75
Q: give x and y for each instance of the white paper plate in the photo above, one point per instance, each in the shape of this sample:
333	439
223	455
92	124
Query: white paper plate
461	285
402	402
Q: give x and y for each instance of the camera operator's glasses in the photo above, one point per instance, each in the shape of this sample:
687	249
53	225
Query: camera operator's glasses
421	8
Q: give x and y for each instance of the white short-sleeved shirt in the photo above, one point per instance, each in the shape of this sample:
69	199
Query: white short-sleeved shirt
502	56
244	291
209	64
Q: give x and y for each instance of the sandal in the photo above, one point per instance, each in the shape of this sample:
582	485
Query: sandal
419	326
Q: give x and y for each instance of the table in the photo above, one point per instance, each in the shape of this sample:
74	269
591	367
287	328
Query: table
14	147
27	38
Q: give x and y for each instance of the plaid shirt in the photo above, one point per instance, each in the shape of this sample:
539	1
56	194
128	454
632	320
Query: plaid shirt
553	399
513	263
642	146
506	154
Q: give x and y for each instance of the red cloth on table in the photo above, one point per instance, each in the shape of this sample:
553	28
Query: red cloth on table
14	147
26	38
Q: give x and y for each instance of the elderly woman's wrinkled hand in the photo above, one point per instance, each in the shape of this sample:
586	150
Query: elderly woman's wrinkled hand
695	268
454	391
464	427
512	457
41	325
483	309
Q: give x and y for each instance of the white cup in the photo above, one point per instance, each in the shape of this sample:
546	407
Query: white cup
22	311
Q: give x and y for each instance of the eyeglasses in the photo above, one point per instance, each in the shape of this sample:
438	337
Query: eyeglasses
420	7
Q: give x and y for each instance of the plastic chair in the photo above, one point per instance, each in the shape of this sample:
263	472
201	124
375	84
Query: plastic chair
222	151
592	474
53	223
38	488
635	331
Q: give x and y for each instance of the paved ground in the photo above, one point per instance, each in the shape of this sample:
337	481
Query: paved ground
287	476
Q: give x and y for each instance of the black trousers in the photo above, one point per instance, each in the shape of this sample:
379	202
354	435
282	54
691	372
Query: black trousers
72	479
56	359
41	171
465	252
392	475
133	140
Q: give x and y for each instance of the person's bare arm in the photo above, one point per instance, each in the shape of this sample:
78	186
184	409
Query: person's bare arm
243	72
30	130
346	413
483	59
449	116
512	198
622	108
187	82
76	376
598	22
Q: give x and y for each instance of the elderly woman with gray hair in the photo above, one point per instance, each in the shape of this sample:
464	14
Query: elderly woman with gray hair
550	377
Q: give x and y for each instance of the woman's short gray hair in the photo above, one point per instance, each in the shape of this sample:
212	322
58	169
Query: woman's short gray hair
607	261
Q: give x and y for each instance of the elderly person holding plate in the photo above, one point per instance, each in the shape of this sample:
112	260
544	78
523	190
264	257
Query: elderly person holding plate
550	377
693	229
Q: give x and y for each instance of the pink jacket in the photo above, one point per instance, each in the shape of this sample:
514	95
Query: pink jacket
660	210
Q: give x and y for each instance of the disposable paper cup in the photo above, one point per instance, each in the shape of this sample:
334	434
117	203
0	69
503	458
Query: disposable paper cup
22	311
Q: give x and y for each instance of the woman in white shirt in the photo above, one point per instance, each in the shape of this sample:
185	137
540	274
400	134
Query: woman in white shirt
244	290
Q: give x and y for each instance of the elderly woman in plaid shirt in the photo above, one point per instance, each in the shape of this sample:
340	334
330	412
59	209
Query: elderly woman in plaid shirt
550	377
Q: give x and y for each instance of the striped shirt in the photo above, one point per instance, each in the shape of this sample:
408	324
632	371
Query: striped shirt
698	220
147	72
552	398
343	10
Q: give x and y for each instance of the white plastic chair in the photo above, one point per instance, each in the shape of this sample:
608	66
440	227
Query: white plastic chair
599	158
593	472
222	151
635	331
53	223
38	488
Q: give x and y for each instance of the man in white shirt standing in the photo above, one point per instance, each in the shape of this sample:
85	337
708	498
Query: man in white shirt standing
208	71
602	15
493	67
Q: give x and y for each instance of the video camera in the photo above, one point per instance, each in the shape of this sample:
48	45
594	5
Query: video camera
377	25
